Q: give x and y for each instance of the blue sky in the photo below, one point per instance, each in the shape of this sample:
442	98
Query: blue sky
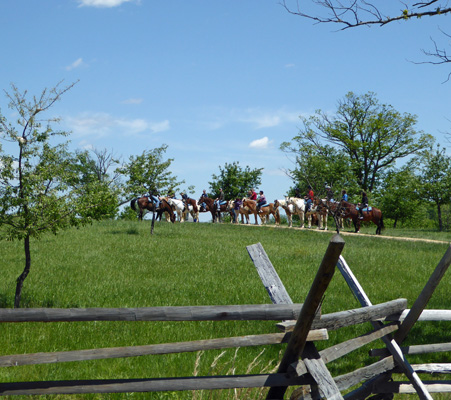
217	81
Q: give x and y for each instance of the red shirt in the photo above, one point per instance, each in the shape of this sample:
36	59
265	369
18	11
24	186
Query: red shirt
310	194
254	196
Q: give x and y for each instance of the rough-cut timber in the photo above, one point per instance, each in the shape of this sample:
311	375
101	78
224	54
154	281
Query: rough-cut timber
190	313
168	348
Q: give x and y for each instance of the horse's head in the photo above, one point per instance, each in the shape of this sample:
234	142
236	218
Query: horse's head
276	203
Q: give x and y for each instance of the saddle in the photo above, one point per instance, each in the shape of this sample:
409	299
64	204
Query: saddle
367	209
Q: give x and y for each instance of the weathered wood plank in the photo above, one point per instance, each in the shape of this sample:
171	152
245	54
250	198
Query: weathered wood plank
424	297
355	316
148	385
318	370
391	344
341	349
437	368
180	313
353	378
426	315
268	275
415	349
168	348
297	341
407	388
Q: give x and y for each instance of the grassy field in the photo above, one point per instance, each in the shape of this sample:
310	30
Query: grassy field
118	264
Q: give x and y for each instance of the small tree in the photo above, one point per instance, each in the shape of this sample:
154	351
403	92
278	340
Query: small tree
400	195
39	191
435	178
234	180
148	173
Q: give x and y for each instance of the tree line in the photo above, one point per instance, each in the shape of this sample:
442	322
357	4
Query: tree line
44	187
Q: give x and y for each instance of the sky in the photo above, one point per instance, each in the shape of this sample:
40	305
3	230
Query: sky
218	81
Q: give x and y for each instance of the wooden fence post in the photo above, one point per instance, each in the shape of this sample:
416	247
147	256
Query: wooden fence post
424	297
298	338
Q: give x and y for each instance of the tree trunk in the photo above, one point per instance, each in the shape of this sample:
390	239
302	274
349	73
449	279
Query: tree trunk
24	274
394	223
439	214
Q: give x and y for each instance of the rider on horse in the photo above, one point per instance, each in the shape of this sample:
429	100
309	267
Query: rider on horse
363	204
261	200
309	198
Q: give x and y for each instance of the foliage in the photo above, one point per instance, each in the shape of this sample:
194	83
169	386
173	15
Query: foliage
148	173
399	196
40	190
317	168
235	181
369	135
435	178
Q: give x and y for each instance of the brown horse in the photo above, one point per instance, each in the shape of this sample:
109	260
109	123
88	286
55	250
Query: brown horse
192	207
145	204
269	209
349	210
210	206
251	205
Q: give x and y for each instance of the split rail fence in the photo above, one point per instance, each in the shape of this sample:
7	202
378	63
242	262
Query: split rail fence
302	325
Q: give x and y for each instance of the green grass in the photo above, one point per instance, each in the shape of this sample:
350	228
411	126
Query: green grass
119	264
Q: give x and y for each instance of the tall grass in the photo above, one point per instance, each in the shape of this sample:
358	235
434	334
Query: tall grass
119	264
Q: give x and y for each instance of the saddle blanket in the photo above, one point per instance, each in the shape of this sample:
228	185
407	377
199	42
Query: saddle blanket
264	205
367	209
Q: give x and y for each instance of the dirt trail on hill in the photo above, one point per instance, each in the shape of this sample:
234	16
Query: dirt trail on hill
347	233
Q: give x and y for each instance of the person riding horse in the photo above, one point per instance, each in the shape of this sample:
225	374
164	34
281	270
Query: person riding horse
261	200
309	198
220	199
203	205
363	204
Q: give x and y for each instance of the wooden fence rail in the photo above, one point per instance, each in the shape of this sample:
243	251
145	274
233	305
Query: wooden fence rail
303	325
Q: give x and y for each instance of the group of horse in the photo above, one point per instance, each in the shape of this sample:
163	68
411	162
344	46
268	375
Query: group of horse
318	212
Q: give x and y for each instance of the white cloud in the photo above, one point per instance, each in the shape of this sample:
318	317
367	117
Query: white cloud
102	3
104	124
269	119
262	143
76	64
132	101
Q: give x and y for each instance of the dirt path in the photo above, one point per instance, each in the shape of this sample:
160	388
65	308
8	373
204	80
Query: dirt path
345	233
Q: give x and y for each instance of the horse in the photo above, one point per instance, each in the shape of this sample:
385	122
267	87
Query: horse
179	207
192	207
321	208
251	205
210	206
145	204
374	215
267	210
288	208
298	208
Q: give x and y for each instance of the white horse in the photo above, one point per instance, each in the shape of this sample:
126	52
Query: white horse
298	207
288	208
179	207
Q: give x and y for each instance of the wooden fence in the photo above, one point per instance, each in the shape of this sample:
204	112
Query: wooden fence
302	324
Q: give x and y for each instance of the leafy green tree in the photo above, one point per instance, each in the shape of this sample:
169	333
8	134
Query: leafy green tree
37	182
148	173
317	168
399	197
435	178
372	136
234	180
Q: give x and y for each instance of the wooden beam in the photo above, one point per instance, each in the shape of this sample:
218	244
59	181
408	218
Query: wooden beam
268	275
318	370
407	388
298	339
168	348
148	385
391	344
188	313
424	297
360	315
415	349
341	349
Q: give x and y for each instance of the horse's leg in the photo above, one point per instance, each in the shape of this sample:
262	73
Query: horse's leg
325	221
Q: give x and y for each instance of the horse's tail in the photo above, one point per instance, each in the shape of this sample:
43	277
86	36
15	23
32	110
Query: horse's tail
133	204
